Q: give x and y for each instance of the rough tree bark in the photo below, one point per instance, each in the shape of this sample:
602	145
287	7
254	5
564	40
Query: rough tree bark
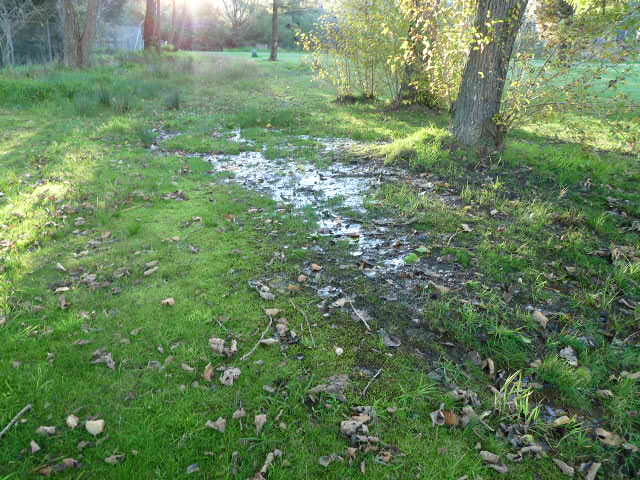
475	122
151	32
77	43
274	32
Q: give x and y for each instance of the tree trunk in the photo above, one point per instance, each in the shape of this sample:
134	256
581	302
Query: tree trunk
475	122
150	25
172	37
274	32
88	34
49	44
70	35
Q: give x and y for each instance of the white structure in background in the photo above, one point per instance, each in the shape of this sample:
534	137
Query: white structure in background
113	38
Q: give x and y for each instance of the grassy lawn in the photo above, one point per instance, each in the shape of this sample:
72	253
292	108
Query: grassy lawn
98	231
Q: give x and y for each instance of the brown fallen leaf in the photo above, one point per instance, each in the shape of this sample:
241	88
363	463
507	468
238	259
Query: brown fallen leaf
208	372
260	420
315	267
560	421
609	438
564	468
65	464
489	457
169	302
102	356
219	425
238	414
272	312
540	317
95	427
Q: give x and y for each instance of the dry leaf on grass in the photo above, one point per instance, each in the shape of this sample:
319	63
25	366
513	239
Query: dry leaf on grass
72	421
46	431
95	427
102	356
65	464
260	420
564	468
238	414
230	375
272	312
115	459
218	345
208	372
327	460
540	317
169	302
569	354
34	447
609	438
220	424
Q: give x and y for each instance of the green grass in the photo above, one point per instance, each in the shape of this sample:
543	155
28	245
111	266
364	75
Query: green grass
83	191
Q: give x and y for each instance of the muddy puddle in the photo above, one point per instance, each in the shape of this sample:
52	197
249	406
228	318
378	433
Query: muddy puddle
338	194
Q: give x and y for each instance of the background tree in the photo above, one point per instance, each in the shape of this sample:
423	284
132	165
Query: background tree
152	25
476	121
78	39
238	13
14	15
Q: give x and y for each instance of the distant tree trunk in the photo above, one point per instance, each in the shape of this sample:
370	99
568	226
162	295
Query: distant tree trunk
274	32
49	43
77	45
172	36
480	95
151	27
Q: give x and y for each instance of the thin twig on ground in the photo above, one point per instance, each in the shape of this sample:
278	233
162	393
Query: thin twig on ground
15	419
373	379
360	316
304	315
246	355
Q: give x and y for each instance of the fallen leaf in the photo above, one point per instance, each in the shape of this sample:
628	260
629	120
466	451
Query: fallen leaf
115	459
187	368
269	341
569	354
102	356
466	227
609	438
229	376
540	317
220	424
272	312
604	393
260	420
94	427
327	460
564	468
560	421
490	457
218	345
72	421
238	414
315	267
208	372
193	468
630	376
170	302
592	471
151	271
63	302
46	431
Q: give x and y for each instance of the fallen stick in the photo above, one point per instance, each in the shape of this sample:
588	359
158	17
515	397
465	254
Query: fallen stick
360	316
15	419
364	392
246	355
